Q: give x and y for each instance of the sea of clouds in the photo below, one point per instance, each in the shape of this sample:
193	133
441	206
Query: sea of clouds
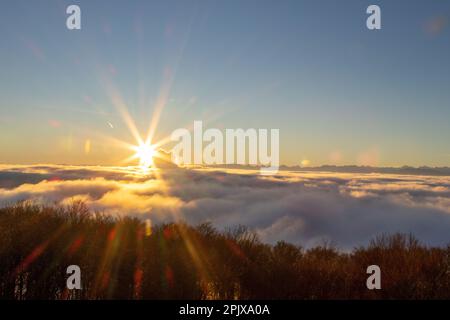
305	208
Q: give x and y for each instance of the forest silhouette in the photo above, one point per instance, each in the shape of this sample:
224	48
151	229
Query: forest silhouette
122	258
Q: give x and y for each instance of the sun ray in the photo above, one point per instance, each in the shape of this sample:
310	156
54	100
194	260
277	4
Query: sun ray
122	108
159	105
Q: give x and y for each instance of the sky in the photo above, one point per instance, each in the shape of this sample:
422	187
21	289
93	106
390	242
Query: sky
338	92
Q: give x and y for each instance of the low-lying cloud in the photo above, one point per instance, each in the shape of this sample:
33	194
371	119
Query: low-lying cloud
301	207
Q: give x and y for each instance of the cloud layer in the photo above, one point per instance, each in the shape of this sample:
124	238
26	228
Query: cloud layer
301	207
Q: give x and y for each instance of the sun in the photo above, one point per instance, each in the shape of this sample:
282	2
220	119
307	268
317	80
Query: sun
145	153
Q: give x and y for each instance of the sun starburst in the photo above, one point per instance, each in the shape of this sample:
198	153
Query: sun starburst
145	153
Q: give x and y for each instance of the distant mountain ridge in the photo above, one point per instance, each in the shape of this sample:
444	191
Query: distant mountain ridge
423	170
407	170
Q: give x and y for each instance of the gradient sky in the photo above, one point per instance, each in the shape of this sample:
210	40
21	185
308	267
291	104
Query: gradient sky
339	93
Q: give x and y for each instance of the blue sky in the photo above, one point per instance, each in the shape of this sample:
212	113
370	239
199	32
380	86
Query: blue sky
338	92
